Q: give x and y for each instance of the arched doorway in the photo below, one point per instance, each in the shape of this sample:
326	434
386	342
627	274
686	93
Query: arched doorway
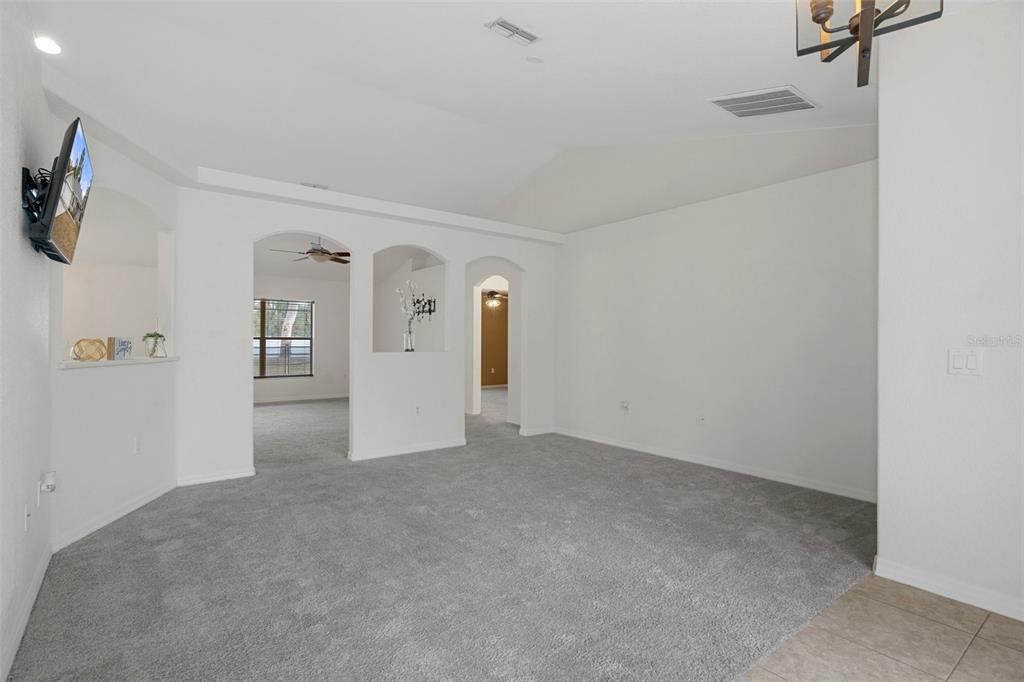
495	365
300	350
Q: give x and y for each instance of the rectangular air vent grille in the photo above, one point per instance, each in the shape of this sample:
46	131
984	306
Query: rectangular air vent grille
764	102
507	29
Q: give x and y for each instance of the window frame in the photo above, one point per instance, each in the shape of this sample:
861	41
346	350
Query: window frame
263	338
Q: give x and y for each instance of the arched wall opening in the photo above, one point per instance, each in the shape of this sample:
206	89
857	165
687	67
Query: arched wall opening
300	350
482	275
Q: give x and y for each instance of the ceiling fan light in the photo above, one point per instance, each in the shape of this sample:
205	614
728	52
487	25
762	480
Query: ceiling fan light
318	257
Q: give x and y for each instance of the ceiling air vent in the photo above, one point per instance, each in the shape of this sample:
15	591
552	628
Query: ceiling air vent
506	29
314	185
764	102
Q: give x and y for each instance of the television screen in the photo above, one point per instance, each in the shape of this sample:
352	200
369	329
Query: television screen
56	233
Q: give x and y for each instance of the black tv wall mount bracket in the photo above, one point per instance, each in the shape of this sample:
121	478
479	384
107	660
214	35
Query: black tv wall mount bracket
33	192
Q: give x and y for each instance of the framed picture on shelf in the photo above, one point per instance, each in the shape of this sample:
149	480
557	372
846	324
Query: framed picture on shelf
119	348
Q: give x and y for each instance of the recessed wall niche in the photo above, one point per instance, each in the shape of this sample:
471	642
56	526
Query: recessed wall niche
408	300
120	281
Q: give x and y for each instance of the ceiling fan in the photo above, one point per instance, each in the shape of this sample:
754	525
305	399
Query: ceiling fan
319	254
493	299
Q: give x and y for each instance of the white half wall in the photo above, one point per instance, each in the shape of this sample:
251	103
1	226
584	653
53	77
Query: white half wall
401	402
330	338
113	444
26	281
740	330
951	451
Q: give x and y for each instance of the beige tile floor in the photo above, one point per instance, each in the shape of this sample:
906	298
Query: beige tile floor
883	630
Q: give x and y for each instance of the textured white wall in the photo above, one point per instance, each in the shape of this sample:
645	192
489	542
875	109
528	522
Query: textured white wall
25	290
755	311
330	338
951	457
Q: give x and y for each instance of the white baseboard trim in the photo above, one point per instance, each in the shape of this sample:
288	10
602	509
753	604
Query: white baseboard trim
15	620
357	456
990	600
64	539
527	431
213	478
271	401
863	495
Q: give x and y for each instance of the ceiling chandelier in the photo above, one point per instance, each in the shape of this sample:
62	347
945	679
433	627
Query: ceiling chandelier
816	30
493	299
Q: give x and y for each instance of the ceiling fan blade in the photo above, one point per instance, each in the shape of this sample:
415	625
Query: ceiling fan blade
339	260
296	260
341	254
286	251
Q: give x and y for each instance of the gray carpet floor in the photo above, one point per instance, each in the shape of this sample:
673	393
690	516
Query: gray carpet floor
541	558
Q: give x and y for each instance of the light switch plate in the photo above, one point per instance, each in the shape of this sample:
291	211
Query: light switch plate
964	362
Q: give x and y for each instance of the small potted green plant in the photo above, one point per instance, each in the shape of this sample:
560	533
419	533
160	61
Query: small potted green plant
154	342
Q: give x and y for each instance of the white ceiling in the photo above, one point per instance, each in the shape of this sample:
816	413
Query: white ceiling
417	102
273	264
595	186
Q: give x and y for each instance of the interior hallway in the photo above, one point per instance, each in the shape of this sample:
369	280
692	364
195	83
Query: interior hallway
529	558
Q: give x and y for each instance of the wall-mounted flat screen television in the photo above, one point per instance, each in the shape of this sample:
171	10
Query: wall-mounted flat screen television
57	220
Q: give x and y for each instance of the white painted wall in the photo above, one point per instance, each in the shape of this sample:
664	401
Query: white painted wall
104	299
951	456
330	338
25	291
755	311
389	323
215	386
113	444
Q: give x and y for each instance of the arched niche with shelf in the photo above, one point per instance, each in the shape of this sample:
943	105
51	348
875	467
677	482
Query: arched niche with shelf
121	280
419	274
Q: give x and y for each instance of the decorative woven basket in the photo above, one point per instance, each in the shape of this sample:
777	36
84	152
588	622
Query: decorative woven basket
89	350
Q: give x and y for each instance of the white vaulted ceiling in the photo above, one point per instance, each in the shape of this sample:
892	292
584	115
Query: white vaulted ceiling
418	103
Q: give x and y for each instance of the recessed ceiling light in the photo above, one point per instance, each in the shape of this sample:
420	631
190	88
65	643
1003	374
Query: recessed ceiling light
535	60
47	44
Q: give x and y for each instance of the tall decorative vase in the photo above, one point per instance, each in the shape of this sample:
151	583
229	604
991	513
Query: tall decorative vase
408	341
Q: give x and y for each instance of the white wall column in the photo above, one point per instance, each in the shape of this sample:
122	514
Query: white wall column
951	461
